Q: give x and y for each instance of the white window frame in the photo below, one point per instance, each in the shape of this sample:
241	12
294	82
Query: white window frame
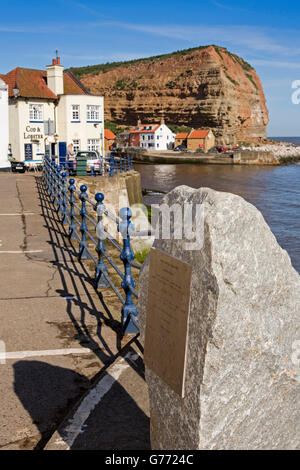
93	145
93	113
76	145
36	113
75	113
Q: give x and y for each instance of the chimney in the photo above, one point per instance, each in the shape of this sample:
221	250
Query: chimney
139	123
55	77
162	121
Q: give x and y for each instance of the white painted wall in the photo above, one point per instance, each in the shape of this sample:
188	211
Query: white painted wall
4	128
158	140
163	137
55	79
24	131
69	130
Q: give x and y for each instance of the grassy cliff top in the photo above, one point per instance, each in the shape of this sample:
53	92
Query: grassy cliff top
102	68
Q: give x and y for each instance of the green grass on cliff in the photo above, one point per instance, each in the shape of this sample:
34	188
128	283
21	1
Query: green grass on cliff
96	69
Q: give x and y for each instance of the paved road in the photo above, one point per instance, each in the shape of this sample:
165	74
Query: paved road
60	337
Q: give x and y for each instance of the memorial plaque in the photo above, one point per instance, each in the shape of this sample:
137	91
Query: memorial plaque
168	307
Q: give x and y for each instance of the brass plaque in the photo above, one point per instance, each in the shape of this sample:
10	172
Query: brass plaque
168	308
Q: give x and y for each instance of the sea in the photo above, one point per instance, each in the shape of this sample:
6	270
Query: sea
292	140
275	191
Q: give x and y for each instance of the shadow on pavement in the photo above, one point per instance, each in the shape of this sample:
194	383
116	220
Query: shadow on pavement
115	423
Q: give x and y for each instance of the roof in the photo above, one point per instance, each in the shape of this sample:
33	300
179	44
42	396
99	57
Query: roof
109	135
182	135
33	83
198	134
142	129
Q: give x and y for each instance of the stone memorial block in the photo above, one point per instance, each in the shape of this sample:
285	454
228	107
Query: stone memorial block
242	384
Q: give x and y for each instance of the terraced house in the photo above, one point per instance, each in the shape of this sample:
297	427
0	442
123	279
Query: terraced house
51	112
152	136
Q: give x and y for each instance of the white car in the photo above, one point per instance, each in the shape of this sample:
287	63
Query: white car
94	160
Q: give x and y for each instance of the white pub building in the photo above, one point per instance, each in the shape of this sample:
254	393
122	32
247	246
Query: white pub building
4	140
51	112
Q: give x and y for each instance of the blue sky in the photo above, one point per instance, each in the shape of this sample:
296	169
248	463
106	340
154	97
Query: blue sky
265	33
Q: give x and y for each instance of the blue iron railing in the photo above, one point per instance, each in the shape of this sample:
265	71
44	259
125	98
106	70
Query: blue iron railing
109	166
72	206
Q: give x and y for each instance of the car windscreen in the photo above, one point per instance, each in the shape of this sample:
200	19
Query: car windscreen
88	155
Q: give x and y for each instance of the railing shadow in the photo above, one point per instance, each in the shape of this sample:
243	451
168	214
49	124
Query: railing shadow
66	261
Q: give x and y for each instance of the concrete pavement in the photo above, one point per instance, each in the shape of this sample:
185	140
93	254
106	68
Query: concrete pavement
62	338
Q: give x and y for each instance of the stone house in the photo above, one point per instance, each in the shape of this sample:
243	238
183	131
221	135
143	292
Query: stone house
181	139
200	139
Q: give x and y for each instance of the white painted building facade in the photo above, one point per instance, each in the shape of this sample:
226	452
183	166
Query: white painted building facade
52	113
4	130
156	137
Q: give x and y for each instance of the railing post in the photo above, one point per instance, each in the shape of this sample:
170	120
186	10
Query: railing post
55	170
65	218
111	165
52	178
83	250
129	309
73	235
100	280
59	192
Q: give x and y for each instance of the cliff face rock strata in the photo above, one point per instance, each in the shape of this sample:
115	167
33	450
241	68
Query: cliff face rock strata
242	382
206	87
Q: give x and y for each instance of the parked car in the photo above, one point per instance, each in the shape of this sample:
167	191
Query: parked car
18	167
94	160
180	148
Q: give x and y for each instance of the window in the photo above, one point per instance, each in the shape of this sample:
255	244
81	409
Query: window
75	112
36	112
157	137
93	113
94	145
76	145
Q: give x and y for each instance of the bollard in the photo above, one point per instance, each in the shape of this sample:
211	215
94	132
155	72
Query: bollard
65	217
100	280
83	250
129	309
73	235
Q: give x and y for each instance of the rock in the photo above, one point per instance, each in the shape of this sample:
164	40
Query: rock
242	390
206	87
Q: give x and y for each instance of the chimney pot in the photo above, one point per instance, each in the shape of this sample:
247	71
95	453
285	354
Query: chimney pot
58	61
53	61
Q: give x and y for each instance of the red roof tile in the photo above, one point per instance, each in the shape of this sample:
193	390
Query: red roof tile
33	84
182	135
109	135
198	134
